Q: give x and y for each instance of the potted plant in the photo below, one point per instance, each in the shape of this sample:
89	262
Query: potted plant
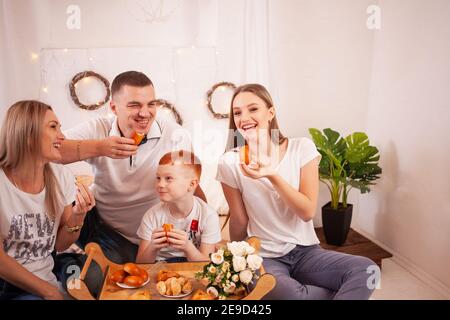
346	163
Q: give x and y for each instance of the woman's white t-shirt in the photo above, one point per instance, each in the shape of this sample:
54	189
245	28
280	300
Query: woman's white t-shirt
278	227
28	234
201	224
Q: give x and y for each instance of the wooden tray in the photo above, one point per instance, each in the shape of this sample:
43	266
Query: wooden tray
110	291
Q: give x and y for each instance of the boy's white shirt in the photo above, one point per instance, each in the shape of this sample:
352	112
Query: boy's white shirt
207	222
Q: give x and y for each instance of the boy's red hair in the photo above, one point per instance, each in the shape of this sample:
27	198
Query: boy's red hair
185	158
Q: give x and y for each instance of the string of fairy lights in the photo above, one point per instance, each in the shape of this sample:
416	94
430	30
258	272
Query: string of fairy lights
87	75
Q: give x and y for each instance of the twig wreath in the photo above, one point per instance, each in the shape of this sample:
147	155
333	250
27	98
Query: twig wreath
209	99
169	106
87	74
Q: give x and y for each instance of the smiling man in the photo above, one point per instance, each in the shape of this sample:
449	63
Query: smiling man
125	174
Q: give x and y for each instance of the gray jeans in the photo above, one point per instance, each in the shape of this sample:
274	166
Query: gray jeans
313	273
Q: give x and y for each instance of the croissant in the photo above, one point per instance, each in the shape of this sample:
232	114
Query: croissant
187	287
163	275
161	287
181	280
175	286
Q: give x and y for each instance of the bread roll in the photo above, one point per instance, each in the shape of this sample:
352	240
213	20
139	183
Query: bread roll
118	276
133	281
132	269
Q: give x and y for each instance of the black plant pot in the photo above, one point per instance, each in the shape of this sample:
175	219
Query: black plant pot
336	223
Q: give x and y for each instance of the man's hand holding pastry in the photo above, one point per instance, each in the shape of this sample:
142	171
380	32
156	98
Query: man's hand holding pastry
118	147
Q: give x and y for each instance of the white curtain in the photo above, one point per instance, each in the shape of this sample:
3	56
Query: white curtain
5	75
256	42
23	30
242	41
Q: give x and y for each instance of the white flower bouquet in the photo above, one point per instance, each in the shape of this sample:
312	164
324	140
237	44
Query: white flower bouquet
231	269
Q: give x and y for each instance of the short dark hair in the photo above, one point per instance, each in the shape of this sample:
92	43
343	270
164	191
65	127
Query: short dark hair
130	78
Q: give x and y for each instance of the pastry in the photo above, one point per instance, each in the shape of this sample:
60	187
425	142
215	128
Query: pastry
187	287
176	287
202	295
85	179
132	269
244	154
163	275
130	275
138	138
173	286
181	280
161	287
140	295
133	281
118	276
143	274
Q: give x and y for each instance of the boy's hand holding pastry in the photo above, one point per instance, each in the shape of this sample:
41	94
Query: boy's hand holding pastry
158	239
179	240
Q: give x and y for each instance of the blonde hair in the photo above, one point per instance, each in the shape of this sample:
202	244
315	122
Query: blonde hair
20	141
234	138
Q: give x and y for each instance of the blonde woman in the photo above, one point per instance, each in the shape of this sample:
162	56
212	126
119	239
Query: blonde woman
36	212
272	194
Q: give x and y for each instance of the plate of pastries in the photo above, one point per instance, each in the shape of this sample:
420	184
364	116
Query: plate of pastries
171	284
130	277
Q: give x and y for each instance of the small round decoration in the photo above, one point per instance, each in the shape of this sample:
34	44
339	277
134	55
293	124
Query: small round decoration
209	94
87	74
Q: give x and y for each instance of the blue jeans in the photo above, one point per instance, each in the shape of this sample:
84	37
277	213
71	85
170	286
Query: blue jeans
313	273
11	292
28	297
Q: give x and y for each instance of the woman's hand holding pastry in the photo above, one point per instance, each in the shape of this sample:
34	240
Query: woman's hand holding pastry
84	200
261	169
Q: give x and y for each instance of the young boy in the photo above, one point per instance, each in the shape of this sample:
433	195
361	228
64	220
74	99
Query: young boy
196	228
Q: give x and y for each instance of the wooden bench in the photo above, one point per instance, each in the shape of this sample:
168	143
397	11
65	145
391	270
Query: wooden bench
356	244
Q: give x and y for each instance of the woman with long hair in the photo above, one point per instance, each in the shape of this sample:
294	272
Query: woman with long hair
271	184
36	211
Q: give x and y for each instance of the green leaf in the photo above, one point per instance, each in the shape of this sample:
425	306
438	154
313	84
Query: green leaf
362	168
346	161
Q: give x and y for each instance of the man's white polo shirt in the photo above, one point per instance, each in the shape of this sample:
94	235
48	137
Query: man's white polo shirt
124	191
